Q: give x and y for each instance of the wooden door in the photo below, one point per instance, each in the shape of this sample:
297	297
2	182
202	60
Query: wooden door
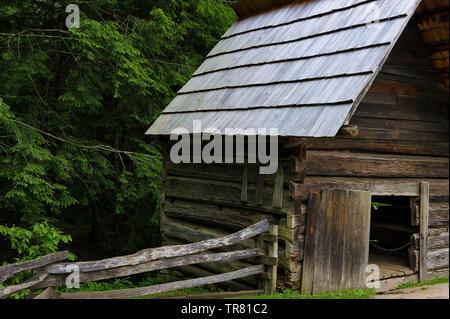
336	241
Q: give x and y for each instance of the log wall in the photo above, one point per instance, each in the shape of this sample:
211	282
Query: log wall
204	201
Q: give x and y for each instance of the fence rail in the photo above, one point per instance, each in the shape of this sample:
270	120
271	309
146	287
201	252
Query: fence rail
50	273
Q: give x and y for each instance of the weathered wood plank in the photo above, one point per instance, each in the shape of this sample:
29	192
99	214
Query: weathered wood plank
244	191
278	187
366	133
338	238
295	250
424	206
434	241
414	204
371	165
310	239
438	214
219	172
437	259
9	270
403	112
220	193
260	189
229	218
6	291
439	188
414	259
359	204
147	291
195	271
298	218
397	124
379	98
323	244
216	295
48	293
166	252
380	146
271	284
437	231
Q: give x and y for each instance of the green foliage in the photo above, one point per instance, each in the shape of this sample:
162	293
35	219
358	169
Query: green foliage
74	106
434	281
378	205
41	239
293	294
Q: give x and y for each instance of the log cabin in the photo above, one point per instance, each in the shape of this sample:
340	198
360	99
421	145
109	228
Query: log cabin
358	91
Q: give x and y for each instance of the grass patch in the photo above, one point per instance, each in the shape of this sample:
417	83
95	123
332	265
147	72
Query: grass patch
435	281
293	294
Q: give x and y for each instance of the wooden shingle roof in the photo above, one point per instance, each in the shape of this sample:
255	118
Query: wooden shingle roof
302	68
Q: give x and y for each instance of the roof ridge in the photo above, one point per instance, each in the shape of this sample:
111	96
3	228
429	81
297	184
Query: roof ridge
297	20
355	26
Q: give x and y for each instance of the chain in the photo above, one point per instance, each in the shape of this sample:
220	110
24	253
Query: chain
390	250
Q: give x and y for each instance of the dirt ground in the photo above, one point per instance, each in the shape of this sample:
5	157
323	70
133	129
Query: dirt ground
439	291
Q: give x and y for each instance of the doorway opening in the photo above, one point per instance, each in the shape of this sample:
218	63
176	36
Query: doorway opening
390	236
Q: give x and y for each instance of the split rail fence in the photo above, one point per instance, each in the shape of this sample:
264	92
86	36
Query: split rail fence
49	272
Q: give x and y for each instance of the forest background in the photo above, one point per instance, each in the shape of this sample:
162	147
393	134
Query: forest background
76	170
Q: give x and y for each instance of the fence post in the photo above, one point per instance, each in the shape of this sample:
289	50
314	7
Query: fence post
259	243
270	285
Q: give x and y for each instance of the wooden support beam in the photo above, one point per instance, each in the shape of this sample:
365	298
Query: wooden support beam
298	164
260	189
244	191
439	188
375	165
278	187
424	207
271	284
311	225
415	210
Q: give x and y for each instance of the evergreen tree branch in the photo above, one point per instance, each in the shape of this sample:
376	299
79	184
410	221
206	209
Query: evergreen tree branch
105	148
